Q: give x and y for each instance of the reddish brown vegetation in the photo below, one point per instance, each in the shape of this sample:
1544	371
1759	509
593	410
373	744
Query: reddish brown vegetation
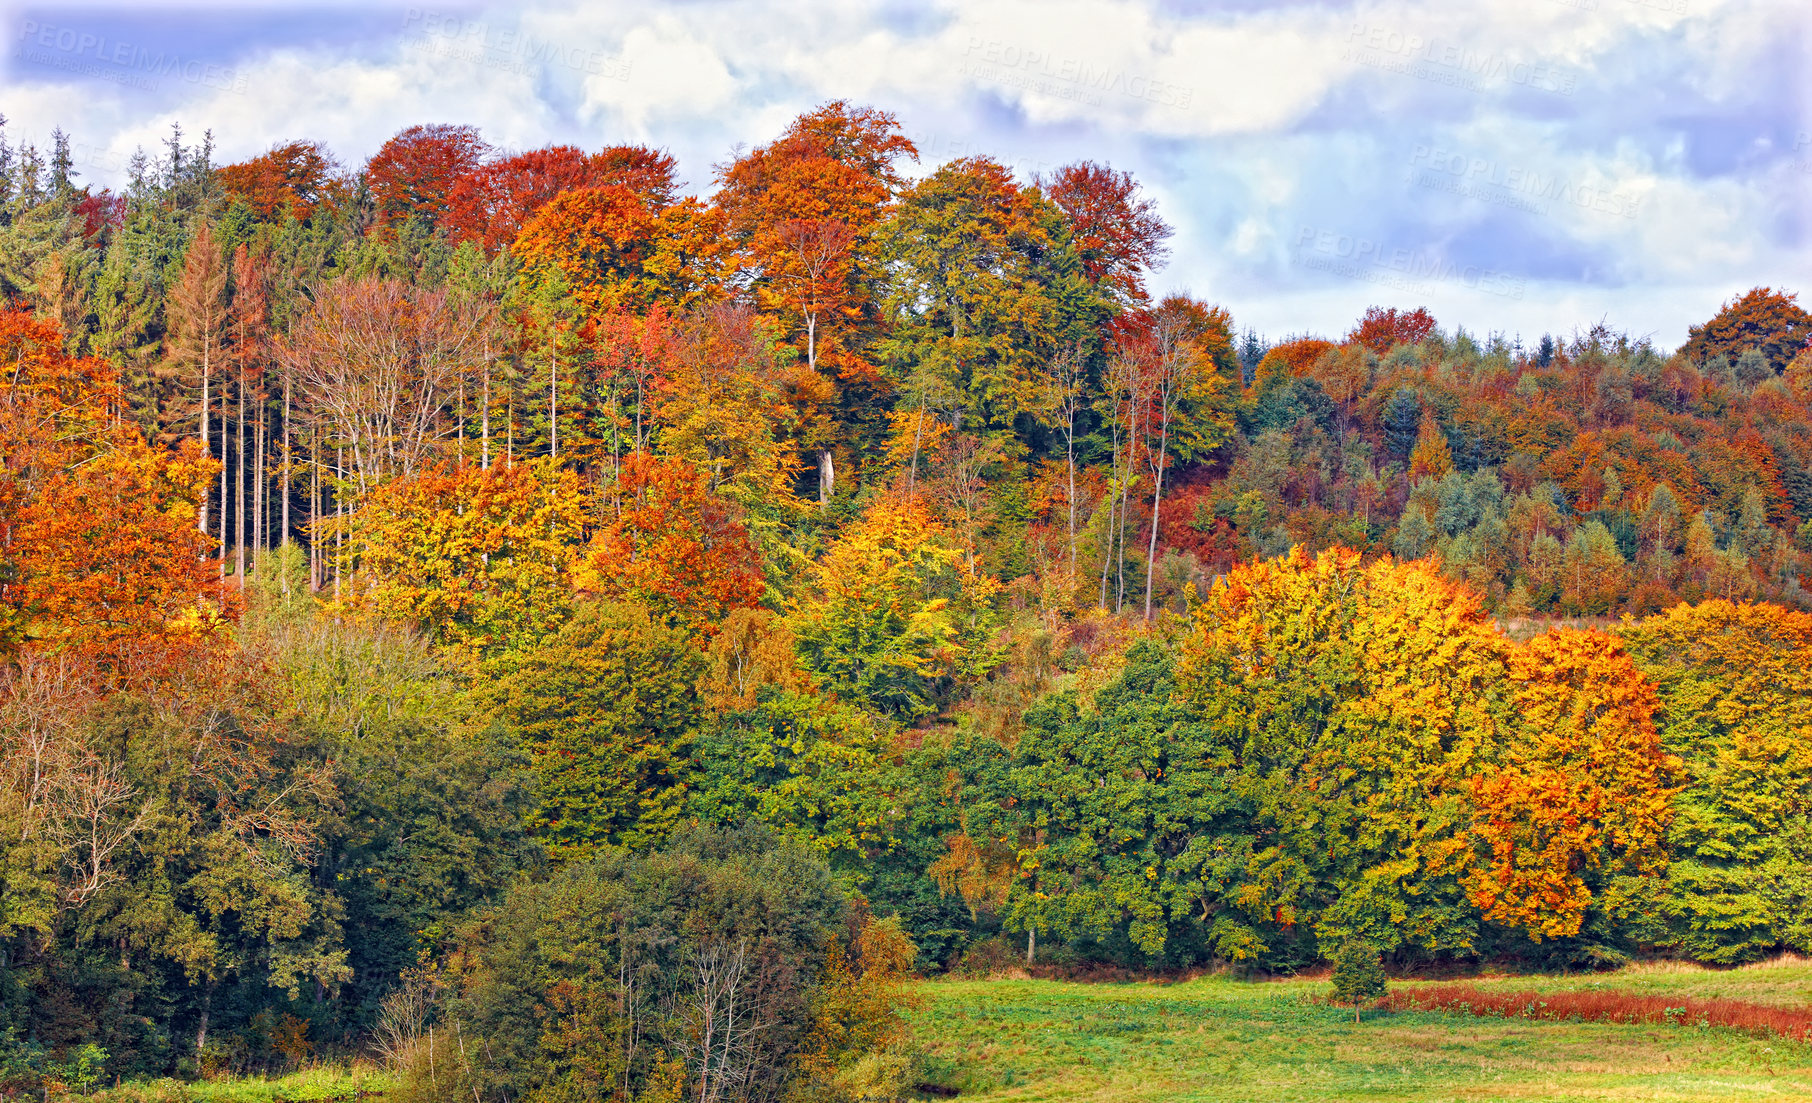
1609	1006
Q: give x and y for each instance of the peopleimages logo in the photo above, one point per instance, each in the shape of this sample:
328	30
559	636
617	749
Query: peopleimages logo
1006	63
1361	258
506	48
1494	181
91	54
1450	63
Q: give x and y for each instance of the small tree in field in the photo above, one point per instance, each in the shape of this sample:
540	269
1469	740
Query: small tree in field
1358	974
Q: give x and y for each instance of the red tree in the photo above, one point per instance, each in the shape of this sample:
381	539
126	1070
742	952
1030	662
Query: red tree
1382	330
1117	230
295	177
495	201
414	173
674	546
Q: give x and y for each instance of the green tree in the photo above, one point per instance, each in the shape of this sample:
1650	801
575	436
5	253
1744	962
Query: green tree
1358	974
605	709
811	769
1128	827
1735	683
700	959
983	286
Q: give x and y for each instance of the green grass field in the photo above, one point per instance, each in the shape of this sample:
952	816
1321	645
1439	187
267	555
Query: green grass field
1222	1039
310	1085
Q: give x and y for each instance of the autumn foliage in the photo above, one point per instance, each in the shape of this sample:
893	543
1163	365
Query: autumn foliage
99	526
672	545
1605	1006
478	587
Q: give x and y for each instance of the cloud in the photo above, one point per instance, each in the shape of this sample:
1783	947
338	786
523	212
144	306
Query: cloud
1639	160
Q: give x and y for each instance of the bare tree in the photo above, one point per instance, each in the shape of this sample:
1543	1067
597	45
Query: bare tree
1123	405
58	791
380	364
1170	367
719	1023
403	1016
198	315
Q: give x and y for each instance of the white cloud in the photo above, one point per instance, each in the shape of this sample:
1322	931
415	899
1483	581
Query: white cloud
1246	124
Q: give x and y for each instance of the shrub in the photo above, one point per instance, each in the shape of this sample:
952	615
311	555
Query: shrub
1358	974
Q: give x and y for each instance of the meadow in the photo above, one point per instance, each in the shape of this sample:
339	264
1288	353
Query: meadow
1215	1038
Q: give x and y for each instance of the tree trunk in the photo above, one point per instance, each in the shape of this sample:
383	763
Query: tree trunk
201	1030
239	533
1107	553
339	513
284	535
1070	452
1031	945
1157	495
827	477
261	519
225	517
207	441
314	512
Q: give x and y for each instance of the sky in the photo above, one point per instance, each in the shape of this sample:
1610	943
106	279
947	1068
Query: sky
1523	167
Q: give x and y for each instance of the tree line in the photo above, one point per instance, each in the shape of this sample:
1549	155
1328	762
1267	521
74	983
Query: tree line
499	610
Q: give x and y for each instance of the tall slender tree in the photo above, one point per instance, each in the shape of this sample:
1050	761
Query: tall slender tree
198	314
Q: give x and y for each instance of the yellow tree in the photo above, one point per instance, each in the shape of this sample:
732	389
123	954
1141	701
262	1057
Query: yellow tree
722	404
1735	686
479	558
892	615
1354	700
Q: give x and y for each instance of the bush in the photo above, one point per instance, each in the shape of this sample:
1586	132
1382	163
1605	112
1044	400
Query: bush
1358	974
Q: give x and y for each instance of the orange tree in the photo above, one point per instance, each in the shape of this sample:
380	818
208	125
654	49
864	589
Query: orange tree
1761	318
294	178
801	216
674	546
97	527
801	213
613	249
1580	788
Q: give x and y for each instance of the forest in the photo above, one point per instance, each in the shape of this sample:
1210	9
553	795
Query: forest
580	640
